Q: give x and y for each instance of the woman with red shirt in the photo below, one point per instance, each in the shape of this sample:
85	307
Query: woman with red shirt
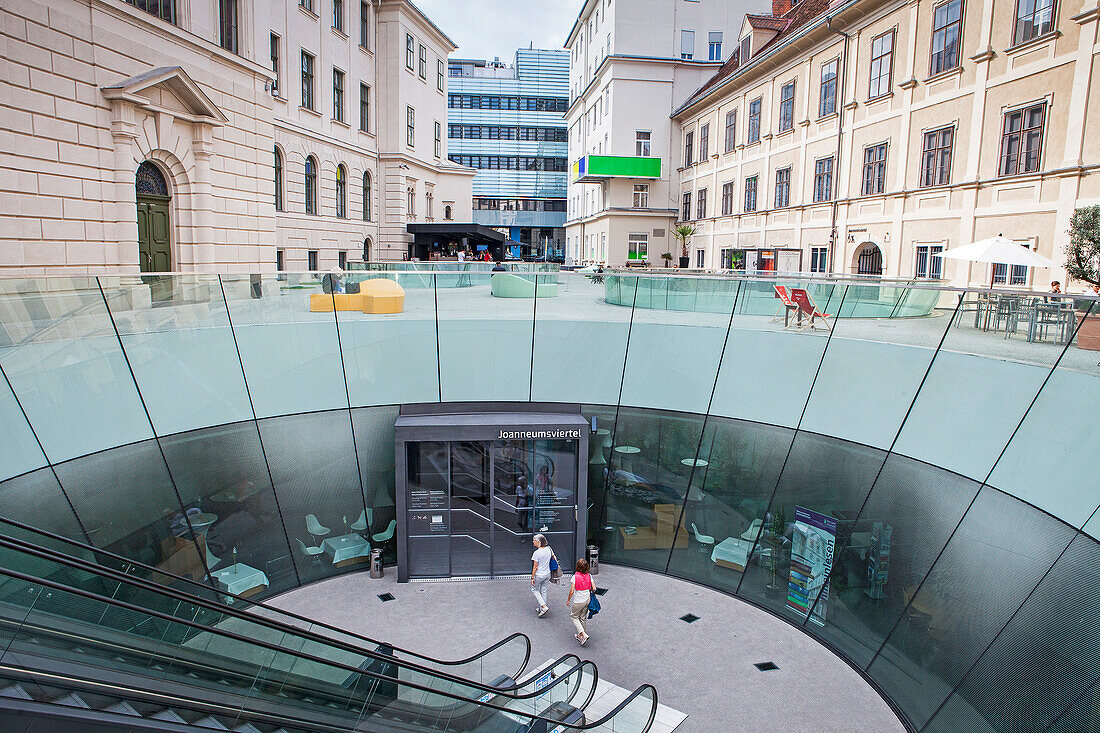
580	593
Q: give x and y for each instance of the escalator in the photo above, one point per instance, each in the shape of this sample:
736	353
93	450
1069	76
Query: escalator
87	638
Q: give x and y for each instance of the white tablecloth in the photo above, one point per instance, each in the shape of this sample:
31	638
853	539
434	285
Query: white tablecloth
240	578
732	550
346	547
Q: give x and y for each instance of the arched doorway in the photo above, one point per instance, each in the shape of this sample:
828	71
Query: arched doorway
366	249
868	259
153	220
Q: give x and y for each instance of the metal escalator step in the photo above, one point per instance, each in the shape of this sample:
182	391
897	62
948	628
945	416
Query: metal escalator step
122	708
209	722
72	700
16	692
168	715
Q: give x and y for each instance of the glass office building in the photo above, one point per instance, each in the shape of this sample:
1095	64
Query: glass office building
910	480
509	123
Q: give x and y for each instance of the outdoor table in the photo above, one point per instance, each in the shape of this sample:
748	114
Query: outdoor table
346	549
626	453
698	463
1060	315
201	522
241	579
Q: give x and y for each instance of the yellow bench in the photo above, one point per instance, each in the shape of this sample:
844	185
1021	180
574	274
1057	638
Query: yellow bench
376	296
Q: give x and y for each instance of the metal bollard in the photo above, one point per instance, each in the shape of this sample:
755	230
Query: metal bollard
376	570
593	560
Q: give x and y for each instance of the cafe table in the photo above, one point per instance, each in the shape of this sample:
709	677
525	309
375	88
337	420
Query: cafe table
241	580
346	549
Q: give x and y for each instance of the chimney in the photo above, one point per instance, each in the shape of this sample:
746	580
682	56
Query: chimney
782	7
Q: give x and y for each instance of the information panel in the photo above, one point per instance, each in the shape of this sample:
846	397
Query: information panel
812	548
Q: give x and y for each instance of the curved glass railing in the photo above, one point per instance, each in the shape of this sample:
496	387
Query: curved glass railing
127	630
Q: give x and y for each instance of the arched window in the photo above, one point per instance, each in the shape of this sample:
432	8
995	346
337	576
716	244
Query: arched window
150	180
366	249
341	191
447	212
311	185
278	180
411	194
366	196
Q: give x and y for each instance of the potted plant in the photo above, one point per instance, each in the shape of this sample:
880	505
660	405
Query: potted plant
1083	263
667	257
773	538
683	232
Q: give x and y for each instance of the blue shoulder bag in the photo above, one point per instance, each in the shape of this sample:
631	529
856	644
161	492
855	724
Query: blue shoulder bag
593	604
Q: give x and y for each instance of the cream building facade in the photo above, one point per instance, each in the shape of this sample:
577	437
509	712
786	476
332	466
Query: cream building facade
219	136
631	63
867	136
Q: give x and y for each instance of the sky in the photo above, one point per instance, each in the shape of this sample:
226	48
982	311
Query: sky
487	28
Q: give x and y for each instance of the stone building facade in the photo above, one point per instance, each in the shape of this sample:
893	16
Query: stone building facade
173	135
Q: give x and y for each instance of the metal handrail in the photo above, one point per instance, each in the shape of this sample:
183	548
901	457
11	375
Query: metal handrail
297	617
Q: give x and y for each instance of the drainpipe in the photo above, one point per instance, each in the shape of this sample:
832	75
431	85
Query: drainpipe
842	86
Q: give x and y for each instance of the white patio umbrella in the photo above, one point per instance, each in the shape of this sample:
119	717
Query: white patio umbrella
998	250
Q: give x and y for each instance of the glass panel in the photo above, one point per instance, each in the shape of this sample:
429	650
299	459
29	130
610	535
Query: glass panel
471	504
287	342
995	558
181	350
374	447
222	471
36	499
19	451
62	357
1055	632
390	358
428	524
312	460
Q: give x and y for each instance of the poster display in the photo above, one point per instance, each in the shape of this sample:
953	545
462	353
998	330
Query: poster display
878	560
812	547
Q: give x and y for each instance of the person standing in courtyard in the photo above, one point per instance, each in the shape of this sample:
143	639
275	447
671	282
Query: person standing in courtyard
580	595
540	572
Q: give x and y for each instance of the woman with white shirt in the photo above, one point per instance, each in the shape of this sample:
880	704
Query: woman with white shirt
540	572
580	595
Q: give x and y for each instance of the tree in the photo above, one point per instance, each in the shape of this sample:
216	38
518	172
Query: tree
682	232
1083	250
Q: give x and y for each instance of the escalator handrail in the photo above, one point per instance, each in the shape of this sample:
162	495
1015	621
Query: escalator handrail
355	670
162	590
296	617
575	669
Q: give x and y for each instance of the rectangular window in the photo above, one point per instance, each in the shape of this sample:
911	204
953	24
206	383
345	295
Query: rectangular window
1034	18
929	263
746	44
701	204
438	140
280	260
826	103
714	38
410	51
364	24
338	15
163	9
874	169
685	213
311	260
754	120
882	64
823	179
786	107
704	143
337	95
687	45
700	258
307	80
641	195
423	62
637	246
641	143
935	164
275	64
731	130
1022	140
818	258
727	198
689	141
946	30
364	107
439	79
342	260
782	188
750	194
410	127
227	24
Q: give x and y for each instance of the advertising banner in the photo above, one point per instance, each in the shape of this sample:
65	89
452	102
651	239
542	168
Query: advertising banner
812	548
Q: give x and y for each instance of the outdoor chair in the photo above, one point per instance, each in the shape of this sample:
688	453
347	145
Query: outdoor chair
752	534
312	552
387	534
705	540
786	305
809	314
315	528
364	521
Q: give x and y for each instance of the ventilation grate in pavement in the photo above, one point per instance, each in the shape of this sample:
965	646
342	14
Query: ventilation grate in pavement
601	591
386	597
766	666
689	618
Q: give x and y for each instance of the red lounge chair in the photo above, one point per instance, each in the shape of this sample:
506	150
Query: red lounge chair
808	310
786	304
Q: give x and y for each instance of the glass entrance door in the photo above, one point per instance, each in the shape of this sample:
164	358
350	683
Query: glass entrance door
471	509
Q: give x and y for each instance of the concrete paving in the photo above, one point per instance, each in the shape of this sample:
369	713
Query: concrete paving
704	669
